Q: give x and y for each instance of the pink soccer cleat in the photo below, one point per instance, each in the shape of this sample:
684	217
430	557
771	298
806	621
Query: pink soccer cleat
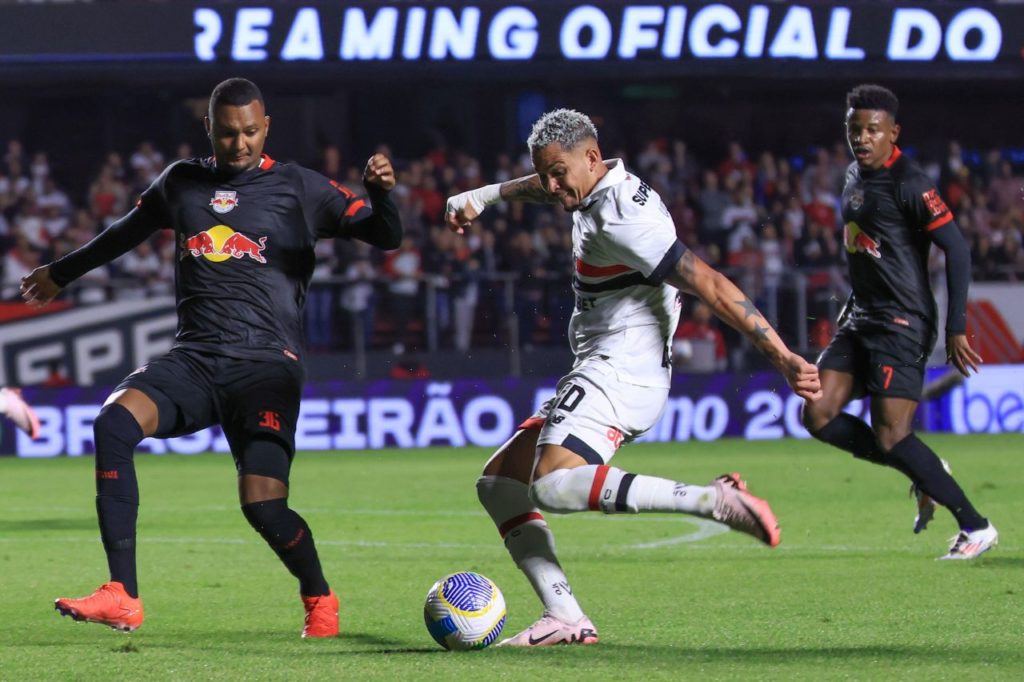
549	631
738	509
19	412
971	544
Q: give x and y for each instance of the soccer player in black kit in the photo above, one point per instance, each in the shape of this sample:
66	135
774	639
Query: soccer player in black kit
245	228
893	214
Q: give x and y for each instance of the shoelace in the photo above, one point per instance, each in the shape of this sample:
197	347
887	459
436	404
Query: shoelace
957	541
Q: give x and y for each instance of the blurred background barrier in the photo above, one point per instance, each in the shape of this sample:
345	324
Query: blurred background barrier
485	412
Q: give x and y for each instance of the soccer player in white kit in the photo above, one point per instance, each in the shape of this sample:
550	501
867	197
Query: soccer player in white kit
630	270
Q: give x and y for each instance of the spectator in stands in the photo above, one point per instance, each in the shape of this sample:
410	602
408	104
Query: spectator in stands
14	156
357	297
141	268
146	163
319	311
108	197
739	218
701	327
1006	192
403	267
713	202
984	262
736	167
19	261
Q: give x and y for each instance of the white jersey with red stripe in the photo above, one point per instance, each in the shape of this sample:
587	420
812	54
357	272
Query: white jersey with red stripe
624	245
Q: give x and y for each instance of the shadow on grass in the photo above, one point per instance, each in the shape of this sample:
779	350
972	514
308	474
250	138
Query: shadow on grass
48	524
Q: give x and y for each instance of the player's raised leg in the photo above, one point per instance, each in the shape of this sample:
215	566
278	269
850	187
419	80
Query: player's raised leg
567	481
503	491
128	416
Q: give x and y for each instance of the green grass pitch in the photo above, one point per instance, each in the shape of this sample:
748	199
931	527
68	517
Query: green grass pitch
850	594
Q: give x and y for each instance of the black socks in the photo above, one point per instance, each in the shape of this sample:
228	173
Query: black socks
117	491
290	537
930	476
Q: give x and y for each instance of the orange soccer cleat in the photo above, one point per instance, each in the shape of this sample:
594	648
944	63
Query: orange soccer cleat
109	605
321	616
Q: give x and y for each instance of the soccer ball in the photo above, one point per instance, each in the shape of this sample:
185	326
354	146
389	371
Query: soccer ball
464	611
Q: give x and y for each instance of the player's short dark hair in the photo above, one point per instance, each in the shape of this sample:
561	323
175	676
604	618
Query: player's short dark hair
235	92
873	97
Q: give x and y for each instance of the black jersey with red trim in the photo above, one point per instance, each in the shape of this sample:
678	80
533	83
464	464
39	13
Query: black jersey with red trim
244	249
888	213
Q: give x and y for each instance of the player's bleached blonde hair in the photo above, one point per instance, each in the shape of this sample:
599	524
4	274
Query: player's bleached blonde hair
567	127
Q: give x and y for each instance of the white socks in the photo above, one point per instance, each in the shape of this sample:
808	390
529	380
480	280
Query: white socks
605	488
530	542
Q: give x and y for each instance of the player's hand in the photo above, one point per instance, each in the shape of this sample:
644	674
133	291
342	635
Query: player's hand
379	172
961	355
802	377
38	288
459	213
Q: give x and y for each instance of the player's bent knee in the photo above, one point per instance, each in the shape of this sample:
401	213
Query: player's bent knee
116	432
815	417
555	493
270	519
889	438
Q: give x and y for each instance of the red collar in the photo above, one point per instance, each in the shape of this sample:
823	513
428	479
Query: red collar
896	154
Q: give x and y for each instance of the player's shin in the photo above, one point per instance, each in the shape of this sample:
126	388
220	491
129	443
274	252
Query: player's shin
933	478
117	491
530	543
289	536
611	490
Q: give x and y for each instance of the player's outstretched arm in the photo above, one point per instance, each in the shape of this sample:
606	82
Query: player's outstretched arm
41	285
463	208
731	305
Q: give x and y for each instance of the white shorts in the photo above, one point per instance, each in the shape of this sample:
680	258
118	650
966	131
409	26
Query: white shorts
593	412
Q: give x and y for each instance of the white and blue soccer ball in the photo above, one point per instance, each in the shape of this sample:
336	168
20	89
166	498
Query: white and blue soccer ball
464	611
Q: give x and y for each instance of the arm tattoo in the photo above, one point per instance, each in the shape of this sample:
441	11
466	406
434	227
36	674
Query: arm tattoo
760	334
685	268
748	308
526	189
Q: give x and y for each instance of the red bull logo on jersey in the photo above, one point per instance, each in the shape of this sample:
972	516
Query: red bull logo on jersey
220	243
224	201
859	241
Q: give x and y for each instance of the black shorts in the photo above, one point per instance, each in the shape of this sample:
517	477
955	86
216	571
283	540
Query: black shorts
248	398
883	363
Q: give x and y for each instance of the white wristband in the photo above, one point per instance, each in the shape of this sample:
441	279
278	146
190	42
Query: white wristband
482	197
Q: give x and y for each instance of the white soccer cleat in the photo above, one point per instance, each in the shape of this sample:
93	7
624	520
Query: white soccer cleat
738	509
926	506
971	545
19	412
549	631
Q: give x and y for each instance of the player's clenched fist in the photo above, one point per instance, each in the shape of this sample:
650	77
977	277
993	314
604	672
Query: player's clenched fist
379	172
461	209
802	377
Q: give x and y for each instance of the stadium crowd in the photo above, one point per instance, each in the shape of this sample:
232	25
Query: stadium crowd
759	217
